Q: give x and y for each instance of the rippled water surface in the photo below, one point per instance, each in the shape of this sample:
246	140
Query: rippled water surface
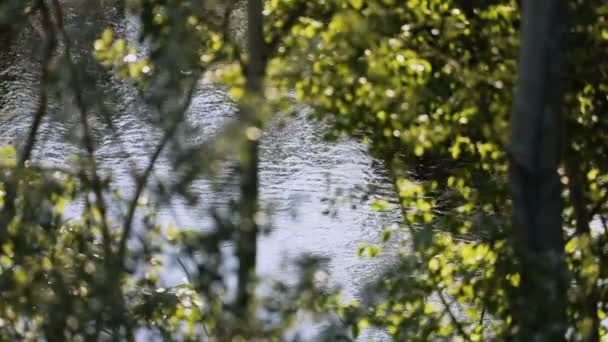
299	171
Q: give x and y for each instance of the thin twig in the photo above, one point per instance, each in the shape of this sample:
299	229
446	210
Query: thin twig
143	179
456	322
96	183
87	137
10	187
598	206
294	15
49	48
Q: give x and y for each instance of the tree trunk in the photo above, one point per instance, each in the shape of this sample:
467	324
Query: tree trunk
535	185
247	240
577	184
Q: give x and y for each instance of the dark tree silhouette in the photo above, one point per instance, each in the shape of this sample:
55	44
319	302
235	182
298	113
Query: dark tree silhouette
535	156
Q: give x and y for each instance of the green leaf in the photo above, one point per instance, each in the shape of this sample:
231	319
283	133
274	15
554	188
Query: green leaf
357	4
8	156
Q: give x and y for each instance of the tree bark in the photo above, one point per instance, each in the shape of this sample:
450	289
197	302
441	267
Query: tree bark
247	238
577	184
535	185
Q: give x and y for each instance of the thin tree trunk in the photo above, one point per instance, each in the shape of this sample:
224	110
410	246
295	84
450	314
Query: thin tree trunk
535	185
576	186
247	239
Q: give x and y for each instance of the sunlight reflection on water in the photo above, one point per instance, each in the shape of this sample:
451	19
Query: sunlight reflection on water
299	171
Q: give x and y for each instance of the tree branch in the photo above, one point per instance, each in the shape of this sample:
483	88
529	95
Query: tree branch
143	179
9	210
294	15
113	278
598	206
49	47
457	323
87	137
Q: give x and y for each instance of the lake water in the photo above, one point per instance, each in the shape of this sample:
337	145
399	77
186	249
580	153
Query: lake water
299	171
